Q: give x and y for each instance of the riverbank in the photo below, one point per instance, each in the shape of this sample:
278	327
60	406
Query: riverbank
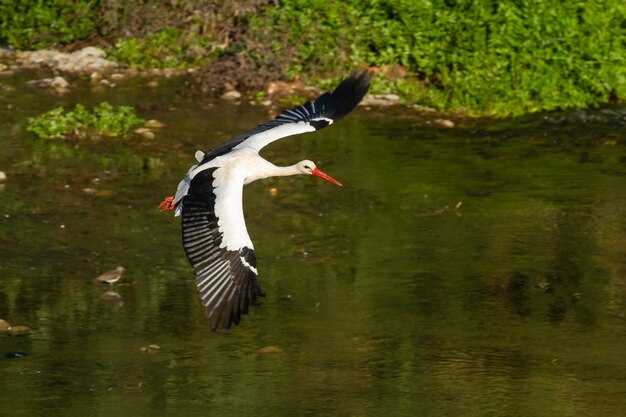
478	58
92	63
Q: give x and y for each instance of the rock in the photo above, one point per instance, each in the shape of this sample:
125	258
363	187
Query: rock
380	100
153	84
14	355
268	350
4	325
444	123
3	176
154	124
89	51
104	193
150	349
59	83
117	76
19	330
145	133
3	67
231	95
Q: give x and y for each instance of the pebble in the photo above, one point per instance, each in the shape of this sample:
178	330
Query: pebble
14	355
19	330
444	123
89	58
145	133
59	83
3	67
154	124
231	95
4	325
153	84
150	349
3	176
268	350
380	100
392	97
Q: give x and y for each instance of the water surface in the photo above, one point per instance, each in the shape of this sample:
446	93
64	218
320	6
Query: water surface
470	271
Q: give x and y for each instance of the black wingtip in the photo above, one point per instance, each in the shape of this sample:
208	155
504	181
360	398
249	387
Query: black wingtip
347	95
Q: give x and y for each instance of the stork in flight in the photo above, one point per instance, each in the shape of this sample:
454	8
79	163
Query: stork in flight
209	198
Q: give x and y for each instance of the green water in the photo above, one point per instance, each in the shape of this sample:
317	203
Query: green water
385	297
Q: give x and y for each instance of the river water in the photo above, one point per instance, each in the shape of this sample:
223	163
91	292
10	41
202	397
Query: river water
474	271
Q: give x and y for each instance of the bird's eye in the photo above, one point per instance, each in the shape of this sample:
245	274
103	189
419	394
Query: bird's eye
307	167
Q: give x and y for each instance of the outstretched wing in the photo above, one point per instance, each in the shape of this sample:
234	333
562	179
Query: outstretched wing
222	255
314	115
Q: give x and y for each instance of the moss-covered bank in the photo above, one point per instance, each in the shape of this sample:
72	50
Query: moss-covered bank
477	57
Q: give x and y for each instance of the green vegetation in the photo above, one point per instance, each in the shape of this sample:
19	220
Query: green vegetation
471	56
170	48
503	57
103	120
32	24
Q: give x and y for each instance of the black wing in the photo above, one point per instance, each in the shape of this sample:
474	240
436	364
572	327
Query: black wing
314	115
226	279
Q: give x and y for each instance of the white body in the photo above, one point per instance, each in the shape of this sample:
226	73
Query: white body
236	169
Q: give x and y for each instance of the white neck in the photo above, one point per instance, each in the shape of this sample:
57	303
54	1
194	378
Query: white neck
267	169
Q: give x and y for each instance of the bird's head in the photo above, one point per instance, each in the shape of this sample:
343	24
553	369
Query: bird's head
307	167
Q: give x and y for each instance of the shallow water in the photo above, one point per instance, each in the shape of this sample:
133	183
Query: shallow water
386	296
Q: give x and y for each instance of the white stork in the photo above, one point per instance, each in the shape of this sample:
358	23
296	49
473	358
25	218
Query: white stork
209	198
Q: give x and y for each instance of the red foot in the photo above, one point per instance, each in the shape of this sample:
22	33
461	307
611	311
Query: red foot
166	205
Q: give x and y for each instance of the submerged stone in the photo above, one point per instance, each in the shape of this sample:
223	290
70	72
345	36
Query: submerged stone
154	124
14	355
268	350
4	325
231	95
19	330
145	133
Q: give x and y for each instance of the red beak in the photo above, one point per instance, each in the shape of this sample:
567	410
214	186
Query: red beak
319	173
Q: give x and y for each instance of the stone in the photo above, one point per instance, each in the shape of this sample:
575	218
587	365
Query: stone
268	350
4	325
59	83
14	355
91	51
231	95
154	124
153	84
145	133
19	330
3	176
444	123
